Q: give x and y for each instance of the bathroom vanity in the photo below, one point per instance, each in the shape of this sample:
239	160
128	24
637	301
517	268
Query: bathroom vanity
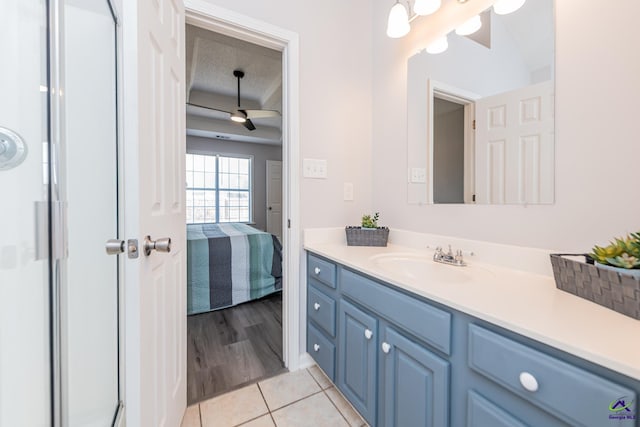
413	343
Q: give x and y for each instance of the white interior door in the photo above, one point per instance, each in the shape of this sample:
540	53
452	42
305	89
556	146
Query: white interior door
155	285
515	146
274	198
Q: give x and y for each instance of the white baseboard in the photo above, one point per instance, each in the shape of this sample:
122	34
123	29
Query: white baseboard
305	361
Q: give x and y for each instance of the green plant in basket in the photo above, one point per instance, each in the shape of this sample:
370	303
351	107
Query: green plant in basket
370	221
621	252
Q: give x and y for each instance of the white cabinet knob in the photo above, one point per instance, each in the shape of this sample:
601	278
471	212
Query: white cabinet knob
316	306
529	382
368	334
316	270
386	347
316	347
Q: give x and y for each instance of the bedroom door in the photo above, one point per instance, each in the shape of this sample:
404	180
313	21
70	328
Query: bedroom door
154	196
274	198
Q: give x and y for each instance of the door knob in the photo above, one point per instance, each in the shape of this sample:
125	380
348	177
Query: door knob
316	306
269	208
529	382
316	270
368	334
160	245
386	347
114	246
316	347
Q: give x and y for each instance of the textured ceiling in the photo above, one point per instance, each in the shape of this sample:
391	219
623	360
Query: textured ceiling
211	60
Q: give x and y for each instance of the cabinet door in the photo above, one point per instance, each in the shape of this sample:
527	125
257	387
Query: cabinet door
416	384
357	359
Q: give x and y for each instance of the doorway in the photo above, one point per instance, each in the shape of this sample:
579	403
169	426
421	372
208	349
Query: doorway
247	30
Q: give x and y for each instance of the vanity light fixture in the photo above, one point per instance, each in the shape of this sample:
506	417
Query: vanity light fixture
439	45
504	7
398	24
470	26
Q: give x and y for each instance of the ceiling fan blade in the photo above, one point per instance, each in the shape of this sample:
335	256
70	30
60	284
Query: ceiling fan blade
208	108
249	125
259	114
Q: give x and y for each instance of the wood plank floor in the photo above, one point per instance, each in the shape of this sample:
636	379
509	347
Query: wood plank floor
233	347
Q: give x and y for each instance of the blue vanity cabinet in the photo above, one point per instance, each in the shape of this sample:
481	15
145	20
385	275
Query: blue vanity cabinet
415	390
357	362
321	313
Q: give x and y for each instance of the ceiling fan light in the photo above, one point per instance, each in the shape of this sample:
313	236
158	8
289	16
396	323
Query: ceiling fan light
439	45
504	7
398	23
426	7
470	26
238	117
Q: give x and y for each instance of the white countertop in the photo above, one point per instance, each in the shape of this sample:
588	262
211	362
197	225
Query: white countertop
524	302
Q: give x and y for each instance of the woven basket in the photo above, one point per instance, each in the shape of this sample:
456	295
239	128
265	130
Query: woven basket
358	236
609	288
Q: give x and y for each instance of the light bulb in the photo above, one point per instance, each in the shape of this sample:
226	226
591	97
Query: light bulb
503	7
439	45
426	7
469	27
398	24
238	117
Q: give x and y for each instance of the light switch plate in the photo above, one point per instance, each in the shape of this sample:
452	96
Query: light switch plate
418	175
314	168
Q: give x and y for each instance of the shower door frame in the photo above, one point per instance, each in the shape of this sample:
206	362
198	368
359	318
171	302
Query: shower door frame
57	214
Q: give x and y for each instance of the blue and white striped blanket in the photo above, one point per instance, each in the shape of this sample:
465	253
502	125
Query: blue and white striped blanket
228	264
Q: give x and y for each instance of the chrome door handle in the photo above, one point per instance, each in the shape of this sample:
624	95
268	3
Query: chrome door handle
114	246
161	245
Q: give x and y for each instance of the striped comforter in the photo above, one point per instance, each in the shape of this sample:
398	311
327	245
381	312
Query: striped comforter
228	264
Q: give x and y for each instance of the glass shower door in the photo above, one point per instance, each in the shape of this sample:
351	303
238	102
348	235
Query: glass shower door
88	187
25	387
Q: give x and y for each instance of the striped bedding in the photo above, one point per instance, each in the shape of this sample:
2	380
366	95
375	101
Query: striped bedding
228	264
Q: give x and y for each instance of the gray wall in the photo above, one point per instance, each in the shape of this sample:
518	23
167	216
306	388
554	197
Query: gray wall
260	152
448	152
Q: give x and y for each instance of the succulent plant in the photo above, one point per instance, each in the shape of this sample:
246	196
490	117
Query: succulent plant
370	221
621	252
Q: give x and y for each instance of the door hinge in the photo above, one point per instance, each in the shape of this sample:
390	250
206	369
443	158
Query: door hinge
473	198
474	124
288	223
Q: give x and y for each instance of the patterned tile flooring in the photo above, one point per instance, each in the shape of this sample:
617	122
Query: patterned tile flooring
305	398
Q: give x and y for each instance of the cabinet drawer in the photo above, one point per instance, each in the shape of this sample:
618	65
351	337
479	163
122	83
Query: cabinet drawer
322	309
417	317
322	270
570	393
322	350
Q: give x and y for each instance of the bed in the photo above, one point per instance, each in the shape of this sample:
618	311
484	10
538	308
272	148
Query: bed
228	264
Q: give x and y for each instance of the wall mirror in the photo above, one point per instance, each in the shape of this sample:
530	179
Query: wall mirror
480	115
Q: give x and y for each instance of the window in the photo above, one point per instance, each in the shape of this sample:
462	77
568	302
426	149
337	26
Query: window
218	188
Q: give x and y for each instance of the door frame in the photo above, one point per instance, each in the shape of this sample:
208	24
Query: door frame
232	24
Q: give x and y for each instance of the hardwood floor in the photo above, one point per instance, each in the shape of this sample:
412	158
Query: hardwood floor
233	347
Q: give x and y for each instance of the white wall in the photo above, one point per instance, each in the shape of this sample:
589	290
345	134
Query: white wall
260	152
597	148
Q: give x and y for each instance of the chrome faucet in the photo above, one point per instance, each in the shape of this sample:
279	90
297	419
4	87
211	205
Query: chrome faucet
449	257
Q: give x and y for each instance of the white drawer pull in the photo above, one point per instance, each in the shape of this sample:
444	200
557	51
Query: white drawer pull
386	347
529	382
316	306
368	334
316	270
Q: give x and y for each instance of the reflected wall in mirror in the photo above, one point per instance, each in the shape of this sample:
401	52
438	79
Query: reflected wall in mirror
481	114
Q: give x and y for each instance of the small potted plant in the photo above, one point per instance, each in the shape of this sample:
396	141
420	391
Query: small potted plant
621	255
368	233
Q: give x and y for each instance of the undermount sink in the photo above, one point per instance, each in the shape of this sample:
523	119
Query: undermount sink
418	266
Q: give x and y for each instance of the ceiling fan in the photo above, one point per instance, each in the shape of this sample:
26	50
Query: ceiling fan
241	115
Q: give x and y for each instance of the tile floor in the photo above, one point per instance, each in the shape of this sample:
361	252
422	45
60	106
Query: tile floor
304	398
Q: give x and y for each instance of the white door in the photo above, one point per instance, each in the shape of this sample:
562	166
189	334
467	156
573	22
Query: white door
154	186
274	198
515	146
